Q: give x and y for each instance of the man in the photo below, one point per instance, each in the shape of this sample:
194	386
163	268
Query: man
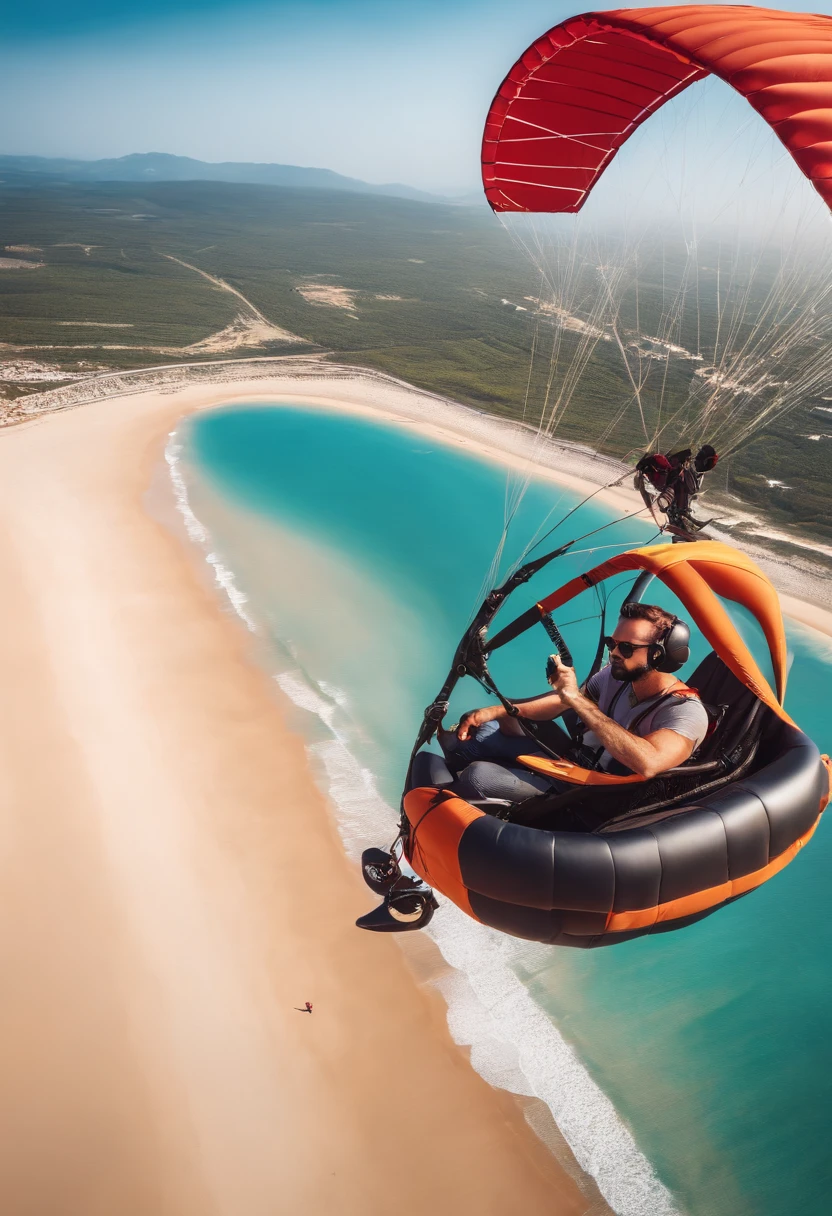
636	717
670	483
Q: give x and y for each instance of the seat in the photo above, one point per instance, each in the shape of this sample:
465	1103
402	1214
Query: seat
728	702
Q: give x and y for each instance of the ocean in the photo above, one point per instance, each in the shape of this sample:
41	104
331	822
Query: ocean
690	1072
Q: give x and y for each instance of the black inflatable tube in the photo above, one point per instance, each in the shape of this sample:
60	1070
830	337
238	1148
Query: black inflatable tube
555	886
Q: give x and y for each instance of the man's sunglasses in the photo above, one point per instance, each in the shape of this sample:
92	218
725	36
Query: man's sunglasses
626	649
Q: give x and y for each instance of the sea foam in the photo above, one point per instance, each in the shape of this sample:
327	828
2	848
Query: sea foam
514	1044
198	533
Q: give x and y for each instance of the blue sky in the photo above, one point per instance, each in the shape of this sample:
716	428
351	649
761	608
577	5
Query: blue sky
372	88
377	90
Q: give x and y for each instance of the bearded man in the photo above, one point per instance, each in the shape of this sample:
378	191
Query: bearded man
636	718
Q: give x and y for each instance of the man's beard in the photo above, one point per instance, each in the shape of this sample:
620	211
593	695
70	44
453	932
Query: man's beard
620	673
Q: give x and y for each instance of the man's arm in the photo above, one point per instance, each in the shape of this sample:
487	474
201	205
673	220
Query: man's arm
647	756
542	708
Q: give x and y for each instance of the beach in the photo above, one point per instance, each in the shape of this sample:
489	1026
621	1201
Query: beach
175	891
176	885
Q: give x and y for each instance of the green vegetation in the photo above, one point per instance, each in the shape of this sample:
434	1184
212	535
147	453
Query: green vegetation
161	302
444	270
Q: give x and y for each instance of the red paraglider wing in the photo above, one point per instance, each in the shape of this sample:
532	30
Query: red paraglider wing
580	91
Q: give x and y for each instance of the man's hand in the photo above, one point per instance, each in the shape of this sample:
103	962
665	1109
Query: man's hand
474	718
564	681
538	709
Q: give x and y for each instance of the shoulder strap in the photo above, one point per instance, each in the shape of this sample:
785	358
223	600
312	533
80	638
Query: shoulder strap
616	697
679	690
592	758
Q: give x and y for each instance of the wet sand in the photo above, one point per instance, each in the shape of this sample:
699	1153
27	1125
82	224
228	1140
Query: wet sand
174	889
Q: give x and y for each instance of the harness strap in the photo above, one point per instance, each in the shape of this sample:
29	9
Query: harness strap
592	758
679	690
575	774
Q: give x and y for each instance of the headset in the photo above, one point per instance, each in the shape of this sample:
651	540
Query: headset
673	651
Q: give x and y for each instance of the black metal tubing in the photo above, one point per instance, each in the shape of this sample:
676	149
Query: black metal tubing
636	593
470	656
548	622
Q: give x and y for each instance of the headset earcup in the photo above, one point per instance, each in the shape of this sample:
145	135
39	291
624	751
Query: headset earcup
676	648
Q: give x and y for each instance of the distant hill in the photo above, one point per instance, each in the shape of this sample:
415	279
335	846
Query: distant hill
163	167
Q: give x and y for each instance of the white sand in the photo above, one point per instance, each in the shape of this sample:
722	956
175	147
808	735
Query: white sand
174	889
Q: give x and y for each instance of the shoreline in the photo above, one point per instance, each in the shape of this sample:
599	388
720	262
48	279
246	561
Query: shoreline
73	485
159	893
805	591
521	1052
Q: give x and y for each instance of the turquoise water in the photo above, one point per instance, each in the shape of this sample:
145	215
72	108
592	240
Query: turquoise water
362	549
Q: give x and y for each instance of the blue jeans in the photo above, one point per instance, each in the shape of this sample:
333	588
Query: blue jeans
487	743
479	779
484	765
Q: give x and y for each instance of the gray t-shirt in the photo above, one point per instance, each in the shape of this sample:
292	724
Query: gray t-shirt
686	715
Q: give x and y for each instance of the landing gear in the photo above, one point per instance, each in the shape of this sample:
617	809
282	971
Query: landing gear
408	902
379	870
